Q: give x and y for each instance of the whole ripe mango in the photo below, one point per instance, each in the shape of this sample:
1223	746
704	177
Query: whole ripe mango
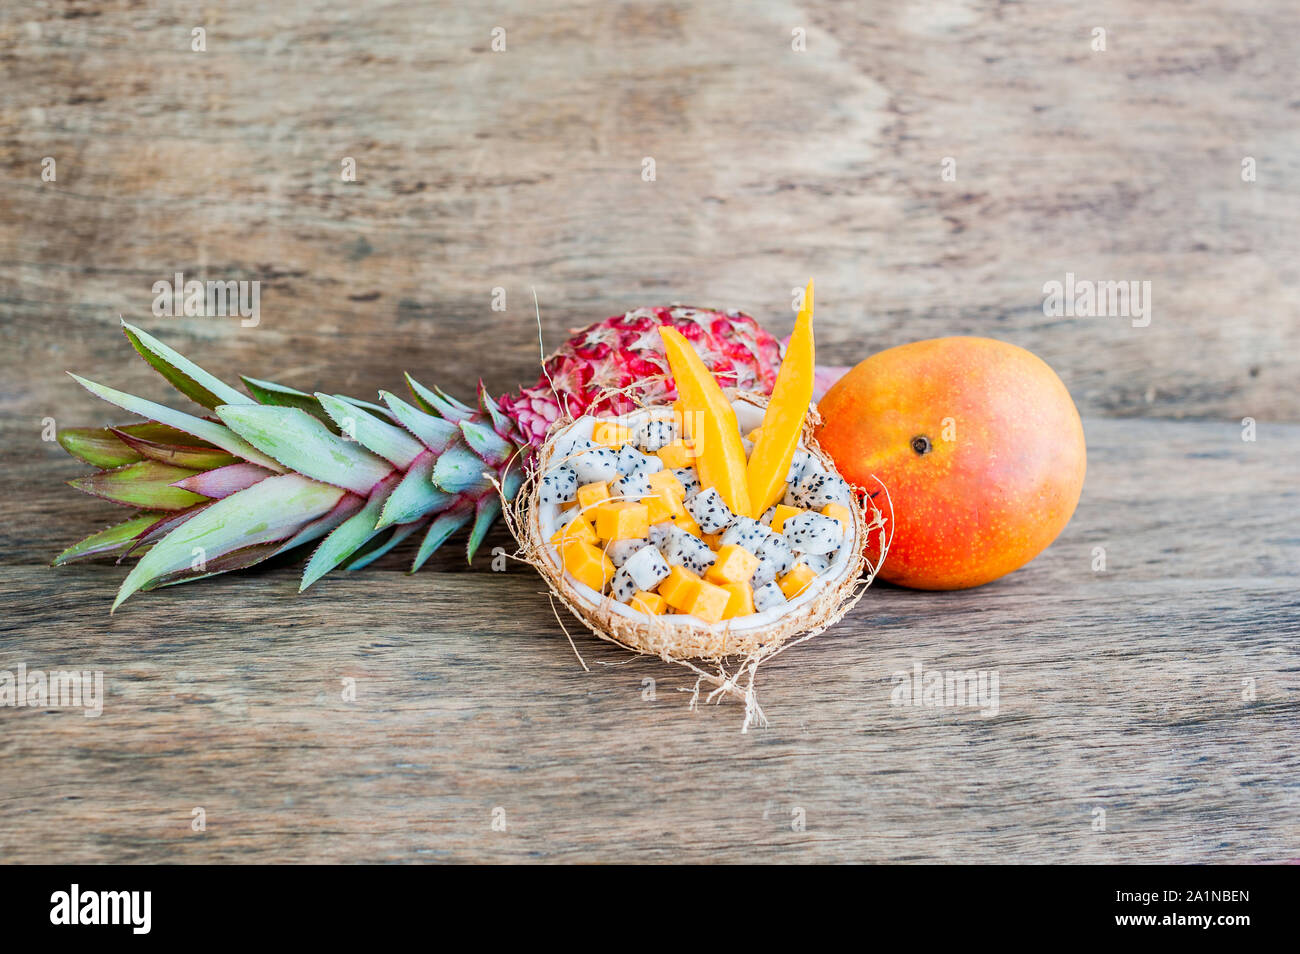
979	444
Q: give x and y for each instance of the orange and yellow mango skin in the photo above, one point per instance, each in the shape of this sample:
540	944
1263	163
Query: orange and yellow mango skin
1005	466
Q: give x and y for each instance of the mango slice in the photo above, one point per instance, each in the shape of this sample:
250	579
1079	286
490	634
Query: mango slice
783	420
720	459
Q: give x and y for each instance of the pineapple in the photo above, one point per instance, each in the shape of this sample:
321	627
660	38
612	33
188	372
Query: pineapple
255	475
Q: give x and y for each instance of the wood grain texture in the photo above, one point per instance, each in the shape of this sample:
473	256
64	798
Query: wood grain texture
522	169
1120	690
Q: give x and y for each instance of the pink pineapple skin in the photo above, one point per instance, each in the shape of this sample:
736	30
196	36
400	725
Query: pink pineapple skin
625	353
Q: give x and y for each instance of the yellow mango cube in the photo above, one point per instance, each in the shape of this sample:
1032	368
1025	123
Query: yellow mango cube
839	512
576	529
611	435
676	455
657	509
740	600
782	514
586	564
734	564
678	588
621	520
652	604
666	482
708	602
754	435
687	523
589	495
794	582
666	506
714	540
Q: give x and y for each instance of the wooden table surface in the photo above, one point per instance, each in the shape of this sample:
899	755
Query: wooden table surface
1147	711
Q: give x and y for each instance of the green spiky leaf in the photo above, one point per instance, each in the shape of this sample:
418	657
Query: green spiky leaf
187	454
435	433
500	423
322	525
443	526
349	536
182	373
224	481
215	434
146	484
97	446
487	443
377	548
270	510
460	470
302	443
415	496
485	514
388	441
110	540
436	402
279	395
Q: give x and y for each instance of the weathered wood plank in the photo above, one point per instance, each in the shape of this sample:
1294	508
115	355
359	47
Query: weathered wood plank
522	169
1119	690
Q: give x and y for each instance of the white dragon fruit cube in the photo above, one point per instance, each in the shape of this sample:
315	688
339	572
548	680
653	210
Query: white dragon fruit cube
816	562
699	558
768	596
768	514
647	567
632	461
558	486
623	586
653	435
686	549
632	487
816	488
812	533
775	548
745	532
690	481
661	533
709	510
764	573
797	466
620	550
595	464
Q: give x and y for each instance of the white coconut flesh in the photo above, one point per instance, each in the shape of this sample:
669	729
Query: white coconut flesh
823	601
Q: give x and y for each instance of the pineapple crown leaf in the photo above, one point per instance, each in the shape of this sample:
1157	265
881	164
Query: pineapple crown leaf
183	374
302	443
261	514
215	434
485	442
442	527
110	539
436	402
435	433
147	484
415	497
349	536
377	436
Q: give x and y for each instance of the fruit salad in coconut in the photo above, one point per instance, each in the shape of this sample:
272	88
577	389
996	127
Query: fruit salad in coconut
662	475
707	528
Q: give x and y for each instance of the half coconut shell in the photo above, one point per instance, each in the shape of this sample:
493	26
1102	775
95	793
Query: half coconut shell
678	638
